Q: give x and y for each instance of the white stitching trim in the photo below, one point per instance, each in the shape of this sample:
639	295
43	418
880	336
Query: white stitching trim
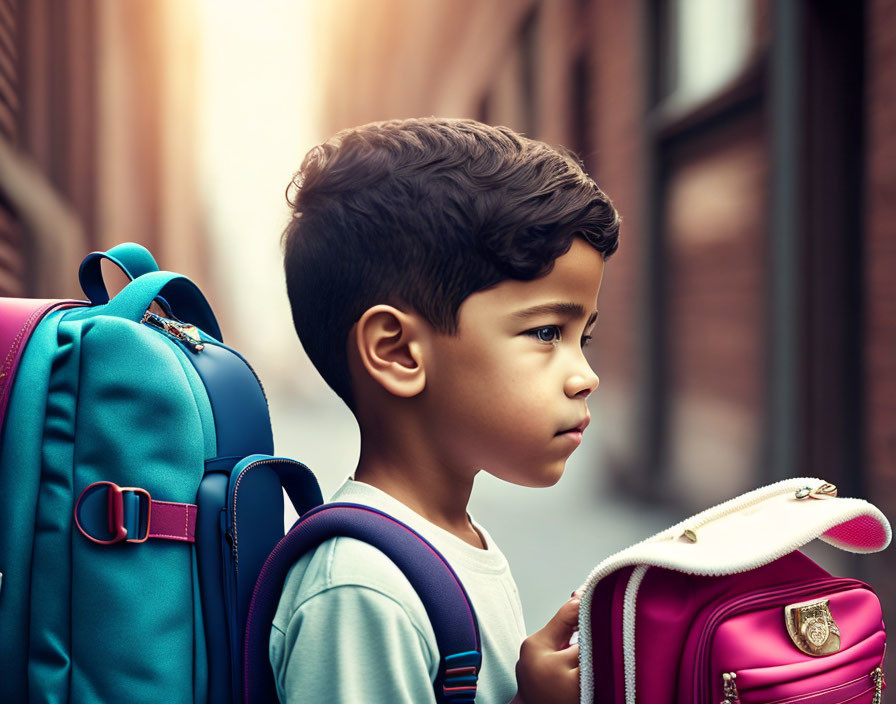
629	609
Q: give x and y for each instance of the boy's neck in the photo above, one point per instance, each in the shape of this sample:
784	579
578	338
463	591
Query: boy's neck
433	492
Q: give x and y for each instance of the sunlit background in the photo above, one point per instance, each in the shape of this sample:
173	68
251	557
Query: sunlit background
748	321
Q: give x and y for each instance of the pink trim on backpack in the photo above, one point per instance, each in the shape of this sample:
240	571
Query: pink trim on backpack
18	319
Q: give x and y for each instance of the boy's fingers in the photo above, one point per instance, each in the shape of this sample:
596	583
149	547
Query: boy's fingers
570	656
561	627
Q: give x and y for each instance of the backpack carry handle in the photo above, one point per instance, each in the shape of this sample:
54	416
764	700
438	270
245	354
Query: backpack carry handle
133	259
254	525
183	295
299	482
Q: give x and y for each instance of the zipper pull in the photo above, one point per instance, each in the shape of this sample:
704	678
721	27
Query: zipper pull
729	688
822	491
690	534
191	335
877	676
191	331
188	334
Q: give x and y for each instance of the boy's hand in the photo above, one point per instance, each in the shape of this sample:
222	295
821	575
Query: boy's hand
548	669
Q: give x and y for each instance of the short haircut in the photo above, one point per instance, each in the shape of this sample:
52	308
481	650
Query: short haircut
420	214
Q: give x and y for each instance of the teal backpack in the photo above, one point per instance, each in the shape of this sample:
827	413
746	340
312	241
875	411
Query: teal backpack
120	425
139	502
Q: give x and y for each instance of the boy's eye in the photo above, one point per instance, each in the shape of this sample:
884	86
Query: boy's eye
585	340
546	333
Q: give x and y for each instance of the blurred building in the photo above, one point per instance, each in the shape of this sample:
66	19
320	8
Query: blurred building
96	120
748	321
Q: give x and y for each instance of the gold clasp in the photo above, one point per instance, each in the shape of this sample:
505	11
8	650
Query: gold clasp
812	628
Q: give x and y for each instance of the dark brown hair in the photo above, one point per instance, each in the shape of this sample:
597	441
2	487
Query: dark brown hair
420	214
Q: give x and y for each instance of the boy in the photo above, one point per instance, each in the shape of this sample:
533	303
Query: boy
443	277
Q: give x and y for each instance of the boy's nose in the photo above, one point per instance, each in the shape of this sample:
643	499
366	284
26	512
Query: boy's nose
582	383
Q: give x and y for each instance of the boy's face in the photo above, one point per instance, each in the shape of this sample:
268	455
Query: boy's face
508	392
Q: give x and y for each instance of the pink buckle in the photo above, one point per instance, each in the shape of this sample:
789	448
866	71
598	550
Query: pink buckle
115	512
168	520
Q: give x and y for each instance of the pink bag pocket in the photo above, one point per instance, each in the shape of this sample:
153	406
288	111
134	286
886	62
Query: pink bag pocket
756	658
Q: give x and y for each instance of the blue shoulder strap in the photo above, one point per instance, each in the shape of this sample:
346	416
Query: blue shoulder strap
443	596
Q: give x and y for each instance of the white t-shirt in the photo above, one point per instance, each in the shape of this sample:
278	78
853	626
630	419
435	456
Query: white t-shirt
350	628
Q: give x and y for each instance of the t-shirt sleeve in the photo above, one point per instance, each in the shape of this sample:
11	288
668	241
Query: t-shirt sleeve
348	644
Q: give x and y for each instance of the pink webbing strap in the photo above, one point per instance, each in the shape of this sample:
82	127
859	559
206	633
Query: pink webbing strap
103	514
173	521
18	319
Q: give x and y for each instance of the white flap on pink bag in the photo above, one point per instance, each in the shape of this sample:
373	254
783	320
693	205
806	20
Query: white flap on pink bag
743	534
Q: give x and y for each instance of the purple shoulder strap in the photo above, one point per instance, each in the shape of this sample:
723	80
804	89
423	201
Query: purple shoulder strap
441	591
18	319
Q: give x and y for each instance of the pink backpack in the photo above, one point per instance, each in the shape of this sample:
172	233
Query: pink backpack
723	608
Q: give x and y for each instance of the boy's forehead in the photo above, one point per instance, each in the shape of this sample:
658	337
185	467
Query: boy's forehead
570	288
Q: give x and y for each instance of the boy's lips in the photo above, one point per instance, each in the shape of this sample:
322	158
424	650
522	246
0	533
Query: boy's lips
580	428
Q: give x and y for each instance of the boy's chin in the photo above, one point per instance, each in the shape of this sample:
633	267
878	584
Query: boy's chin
549	481
536	479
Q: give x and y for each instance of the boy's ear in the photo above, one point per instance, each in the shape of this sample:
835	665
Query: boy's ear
389	344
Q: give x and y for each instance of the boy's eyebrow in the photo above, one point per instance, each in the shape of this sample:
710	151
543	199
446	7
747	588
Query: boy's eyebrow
559	308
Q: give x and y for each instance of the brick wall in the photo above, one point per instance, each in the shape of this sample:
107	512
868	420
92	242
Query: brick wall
12	260
715	266
880	263
616	110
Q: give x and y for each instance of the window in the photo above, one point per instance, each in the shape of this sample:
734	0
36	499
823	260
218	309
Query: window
709	43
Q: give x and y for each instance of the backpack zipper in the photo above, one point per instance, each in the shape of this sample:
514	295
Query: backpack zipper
182	332
825	490
877	676
729	688
191	338
732	696
757	598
